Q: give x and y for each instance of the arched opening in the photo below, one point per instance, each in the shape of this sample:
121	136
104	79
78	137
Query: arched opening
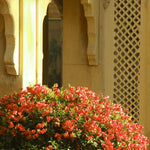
52	44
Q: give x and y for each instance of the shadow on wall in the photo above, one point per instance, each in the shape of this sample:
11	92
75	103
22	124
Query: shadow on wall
45	50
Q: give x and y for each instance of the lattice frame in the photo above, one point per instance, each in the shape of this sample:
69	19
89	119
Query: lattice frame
127	18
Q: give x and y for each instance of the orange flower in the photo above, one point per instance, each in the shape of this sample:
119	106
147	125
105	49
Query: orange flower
49	147
35	136
48	118
11	125
43	131
66	135
58	136
20	127
33	131
13	132
29	137
40	125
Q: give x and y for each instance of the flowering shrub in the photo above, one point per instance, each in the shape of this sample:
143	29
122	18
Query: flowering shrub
73	119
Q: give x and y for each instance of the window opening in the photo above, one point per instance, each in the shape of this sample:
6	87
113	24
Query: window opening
53	55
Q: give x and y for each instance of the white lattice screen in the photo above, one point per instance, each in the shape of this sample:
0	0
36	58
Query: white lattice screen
127	17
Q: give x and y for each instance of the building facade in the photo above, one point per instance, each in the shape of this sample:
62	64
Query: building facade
101	44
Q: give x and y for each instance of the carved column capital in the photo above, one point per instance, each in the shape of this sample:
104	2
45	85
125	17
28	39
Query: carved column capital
11	56
91	10
106	3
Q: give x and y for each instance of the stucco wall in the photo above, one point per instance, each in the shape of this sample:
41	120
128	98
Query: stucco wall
147	125
76	70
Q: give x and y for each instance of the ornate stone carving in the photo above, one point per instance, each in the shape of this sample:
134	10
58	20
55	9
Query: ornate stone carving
91	14
10	38
106	3
59	4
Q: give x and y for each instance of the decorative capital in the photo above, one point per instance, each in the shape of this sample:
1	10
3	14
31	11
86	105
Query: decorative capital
91	14
10	58
106	3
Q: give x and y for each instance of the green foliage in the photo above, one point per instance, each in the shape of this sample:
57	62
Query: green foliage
69	119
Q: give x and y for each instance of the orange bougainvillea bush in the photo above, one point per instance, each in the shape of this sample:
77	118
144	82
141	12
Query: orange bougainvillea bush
69	119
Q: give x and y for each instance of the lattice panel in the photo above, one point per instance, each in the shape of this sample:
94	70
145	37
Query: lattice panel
127	17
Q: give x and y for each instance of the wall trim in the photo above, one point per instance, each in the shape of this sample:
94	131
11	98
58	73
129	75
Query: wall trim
106	3
10	39
91	10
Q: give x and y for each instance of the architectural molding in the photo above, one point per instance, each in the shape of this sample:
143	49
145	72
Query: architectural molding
10	39
59	4
106	3
91	10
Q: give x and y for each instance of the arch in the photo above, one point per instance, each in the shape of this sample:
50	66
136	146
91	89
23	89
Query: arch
91	10
59	4
52	44
10	38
